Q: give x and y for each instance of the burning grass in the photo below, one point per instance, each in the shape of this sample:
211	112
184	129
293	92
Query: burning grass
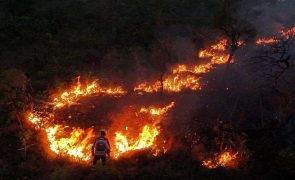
140	129
283	34
76	142
70	96
224	159
183	76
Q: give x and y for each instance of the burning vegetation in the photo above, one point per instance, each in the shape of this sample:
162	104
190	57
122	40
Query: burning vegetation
75	142
183	76
176	89
282	35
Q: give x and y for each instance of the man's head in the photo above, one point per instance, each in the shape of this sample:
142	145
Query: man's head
103	132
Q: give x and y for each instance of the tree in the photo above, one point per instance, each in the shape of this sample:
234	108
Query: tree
161	56
235	26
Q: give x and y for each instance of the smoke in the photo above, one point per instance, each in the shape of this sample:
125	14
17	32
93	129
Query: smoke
269	17
184	48
205	112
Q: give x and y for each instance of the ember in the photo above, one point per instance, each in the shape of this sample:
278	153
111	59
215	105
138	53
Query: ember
266	41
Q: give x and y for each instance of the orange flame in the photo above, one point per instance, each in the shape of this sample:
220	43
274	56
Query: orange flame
224	159
70	97
172	83
39	119
286	34
157	111
148	88
266	41
35	120
75	144
145	140
176	83
179	79
221	45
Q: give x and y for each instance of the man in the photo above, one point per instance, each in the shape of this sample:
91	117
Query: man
101	148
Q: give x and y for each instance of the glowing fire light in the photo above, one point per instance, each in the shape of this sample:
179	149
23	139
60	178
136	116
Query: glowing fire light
176	83
125	143
218	56
74	144
221	45
172	83
70	97
286	34
145	140
198	69
148	88
34	119
224	159
157	111
179	79
38	119
266	41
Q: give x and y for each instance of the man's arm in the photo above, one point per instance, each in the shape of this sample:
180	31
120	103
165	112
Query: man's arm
109	145
92	148
108	152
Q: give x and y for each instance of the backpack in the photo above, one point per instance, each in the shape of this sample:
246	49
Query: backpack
101	147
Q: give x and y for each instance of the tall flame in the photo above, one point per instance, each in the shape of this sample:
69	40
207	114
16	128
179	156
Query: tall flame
145	140
75	144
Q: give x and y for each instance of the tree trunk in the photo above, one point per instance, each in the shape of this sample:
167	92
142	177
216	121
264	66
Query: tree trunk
233	49
162	85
